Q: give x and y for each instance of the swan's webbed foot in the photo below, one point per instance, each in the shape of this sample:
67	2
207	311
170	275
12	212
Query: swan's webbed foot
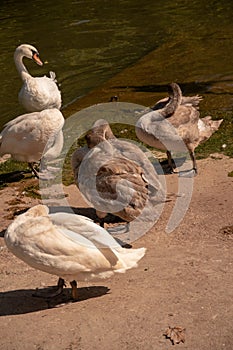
56	291
195	171
170	170
188	173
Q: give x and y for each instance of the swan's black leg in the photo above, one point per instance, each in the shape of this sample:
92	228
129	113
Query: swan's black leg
101	221
58	290
193	158
74	291
35	172
169	160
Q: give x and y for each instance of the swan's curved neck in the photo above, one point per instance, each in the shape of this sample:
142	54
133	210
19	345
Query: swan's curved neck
23	72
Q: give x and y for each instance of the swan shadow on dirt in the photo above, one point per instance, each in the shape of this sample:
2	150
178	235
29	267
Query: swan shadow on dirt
22	301
88	212
14	176
2	233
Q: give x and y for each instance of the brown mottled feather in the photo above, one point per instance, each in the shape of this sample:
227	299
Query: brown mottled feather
118	169
182	112
119	177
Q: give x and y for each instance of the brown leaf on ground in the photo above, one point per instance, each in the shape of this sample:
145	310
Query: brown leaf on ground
176	334
227	232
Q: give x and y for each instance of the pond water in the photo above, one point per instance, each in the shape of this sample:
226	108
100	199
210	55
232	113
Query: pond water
87	42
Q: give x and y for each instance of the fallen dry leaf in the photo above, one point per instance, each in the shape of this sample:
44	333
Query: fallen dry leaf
176	334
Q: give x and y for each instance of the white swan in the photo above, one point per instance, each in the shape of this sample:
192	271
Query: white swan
121	173
176	122
37	93
32	135
70	246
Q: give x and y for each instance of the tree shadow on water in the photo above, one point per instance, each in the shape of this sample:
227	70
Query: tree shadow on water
187	88
22	301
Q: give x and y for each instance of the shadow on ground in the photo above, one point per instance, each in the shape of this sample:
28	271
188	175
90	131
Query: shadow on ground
22	301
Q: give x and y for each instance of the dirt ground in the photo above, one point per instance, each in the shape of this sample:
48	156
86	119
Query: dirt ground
185	280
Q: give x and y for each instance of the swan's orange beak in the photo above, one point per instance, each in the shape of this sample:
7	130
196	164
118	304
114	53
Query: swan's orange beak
36	58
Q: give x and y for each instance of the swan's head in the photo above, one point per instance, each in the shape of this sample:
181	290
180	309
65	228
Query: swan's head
29	51
100	132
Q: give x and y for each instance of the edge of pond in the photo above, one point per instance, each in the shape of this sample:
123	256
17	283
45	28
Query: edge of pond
144	83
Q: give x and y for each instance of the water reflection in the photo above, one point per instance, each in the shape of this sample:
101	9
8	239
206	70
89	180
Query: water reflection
86	42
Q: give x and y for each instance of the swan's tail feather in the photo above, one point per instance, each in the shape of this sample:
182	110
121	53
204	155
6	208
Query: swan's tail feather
213	124
53	76
192	100
186	100
129	258
207	127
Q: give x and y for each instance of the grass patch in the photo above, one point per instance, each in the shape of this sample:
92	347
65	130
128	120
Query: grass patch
215	144
222	137
32	191
12	165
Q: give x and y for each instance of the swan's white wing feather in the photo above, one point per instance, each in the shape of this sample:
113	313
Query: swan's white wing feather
53	248
28	120
19	119
40	93
76	237
85	227
26	136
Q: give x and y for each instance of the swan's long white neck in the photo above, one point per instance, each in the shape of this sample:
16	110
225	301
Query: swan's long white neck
23	72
